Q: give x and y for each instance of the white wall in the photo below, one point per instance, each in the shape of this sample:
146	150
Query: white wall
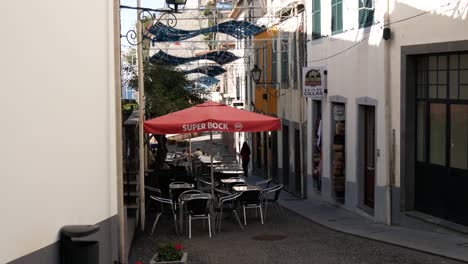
58	123
354	60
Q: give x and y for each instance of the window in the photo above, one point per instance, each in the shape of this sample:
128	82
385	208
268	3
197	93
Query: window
257	55
337	16
366	13
316	32
274	63
285	62
264	60
238	86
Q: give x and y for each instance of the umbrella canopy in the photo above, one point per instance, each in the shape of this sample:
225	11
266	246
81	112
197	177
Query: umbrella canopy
211	116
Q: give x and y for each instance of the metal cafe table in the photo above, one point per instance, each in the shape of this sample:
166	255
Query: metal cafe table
246	188
189	196
230	181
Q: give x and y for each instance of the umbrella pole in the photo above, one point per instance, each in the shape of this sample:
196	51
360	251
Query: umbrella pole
211	161
190	156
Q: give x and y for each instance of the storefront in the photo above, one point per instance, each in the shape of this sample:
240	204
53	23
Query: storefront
436	144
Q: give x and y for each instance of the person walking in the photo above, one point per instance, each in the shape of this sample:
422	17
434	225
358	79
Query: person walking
245	155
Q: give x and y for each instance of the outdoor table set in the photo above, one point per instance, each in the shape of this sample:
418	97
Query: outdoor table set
191	204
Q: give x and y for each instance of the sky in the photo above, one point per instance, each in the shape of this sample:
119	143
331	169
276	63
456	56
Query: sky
128	16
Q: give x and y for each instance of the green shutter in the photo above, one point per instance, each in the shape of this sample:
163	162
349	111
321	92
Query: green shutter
337	16
366	16
273	62
316	19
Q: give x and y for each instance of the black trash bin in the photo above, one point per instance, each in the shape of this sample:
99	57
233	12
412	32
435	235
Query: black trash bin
79	251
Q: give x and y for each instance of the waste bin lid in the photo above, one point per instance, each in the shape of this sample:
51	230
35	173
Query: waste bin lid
79	230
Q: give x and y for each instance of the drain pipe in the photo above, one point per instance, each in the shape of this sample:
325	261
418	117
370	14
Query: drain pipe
388	117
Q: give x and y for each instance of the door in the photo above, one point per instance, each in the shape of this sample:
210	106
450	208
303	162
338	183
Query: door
369	155
258	150
297	162
265	155
441	138
286	156
274	155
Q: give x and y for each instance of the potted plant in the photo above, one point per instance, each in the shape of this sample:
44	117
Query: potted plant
169	253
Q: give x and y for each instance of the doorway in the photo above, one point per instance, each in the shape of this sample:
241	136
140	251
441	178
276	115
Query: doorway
285	155
274	153
317	145
369	155
266	151
441	138
297	162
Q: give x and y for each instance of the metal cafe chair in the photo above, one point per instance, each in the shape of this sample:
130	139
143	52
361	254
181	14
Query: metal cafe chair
251	200
198	208
271	195
227	204
163	201
151	191
206	186
181	204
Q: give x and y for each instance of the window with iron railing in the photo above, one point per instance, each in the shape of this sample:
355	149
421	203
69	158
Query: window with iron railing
274	63
285	63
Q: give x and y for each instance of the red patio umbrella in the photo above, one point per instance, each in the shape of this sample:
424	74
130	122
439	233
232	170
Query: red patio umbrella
211	116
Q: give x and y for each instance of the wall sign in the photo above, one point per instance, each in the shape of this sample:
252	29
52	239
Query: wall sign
313	83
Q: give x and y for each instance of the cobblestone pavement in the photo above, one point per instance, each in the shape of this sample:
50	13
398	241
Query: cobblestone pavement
284	238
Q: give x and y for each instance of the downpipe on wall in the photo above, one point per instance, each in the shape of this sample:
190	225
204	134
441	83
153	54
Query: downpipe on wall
388	122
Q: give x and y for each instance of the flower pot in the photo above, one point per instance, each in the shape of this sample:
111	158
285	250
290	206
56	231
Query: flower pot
182	260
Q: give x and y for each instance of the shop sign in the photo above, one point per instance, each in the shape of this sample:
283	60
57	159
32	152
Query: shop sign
313	84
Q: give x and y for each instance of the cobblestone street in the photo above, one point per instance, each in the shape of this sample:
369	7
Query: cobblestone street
284	238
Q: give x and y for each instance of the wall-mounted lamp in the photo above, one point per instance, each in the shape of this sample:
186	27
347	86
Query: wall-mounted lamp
256	73
174	4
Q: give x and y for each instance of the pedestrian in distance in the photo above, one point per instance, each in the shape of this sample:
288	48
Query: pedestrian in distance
245	156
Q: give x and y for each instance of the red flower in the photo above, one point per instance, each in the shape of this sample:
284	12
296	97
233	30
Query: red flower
178	246
138	262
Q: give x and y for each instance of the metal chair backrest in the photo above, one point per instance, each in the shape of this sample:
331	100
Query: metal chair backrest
231	198
162	200
251	197
189	192
153	191
266	181
198	206
275	189
204	183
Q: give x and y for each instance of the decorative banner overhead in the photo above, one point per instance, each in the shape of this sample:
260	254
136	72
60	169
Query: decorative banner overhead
238	29
220	57
207	80
313	82
211	71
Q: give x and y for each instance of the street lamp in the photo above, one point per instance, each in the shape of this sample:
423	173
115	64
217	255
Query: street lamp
256	73
175	3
